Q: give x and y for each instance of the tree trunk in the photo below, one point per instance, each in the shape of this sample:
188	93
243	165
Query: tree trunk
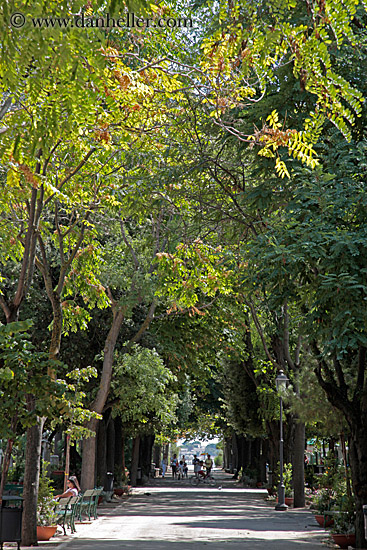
89	445
240	445
273	439
157	455
5	469
119	468
358	462
298	465
110	446
87	479
145	454
31	481
7	456
255	456
123	455
263	460
101	453
227	454
135	461
234	454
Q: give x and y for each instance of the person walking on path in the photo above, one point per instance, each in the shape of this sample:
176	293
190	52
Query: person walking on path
196	464
174	464
208	465
164	465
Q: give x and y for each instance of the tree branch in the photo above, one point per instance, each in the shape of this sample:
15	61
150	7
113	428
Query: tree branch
148	319
5	307
129	245
286	337
72	173
260	332
44	171
65	266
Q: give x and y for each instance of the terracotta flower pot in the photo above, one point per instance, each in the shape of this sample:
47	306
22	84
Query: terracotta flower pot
321	520
118	492
287	500
45	532
344	540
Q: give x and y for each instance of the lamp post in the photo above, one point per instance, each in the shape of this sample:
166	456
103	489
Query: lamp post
281	383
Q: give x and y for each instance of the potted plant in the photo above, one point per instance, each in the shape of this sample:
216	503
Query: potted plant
287	480
122	483
46	516
288	489
343	530
322	503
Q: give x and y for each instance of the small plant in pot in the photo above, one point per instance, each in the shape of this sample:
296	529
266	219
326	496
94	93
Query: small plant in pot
46	516
287	480
343	530
288	488
322	503
122	486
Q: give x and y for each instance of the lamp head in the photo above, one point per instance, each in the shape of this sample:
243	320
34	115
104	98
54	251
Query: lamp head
281	381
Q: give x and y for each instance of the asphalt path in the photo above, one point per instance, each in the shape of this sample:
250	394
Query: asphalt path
173	515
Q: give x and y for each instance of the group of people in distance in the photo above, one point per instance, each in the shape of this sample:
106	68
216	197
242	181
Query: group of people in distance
199	464
180	469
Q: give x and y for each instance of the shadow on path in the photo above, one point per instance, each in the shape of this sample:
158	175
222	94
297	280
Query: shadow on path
162	517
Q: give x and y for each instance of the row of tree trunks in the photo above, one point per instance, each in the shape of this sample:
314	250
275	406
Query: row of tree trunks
241	452
111	452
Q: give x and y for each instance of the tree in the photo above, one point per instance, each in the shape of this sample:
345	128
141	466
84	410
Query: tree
23	372
141	395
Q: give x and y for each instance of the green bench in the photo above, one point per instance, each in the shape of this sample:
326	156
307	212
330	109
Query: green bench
66	510
88	503
13	489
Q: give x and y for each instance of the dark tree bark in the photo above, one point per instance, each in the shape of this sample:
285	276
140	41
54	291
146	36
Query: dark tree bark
255	455
110	446
31	481
298	465
263	460
354	408
7	456
234	454
101	452
145	454
119	466
358	462
226	453
135	461
240	451
157	455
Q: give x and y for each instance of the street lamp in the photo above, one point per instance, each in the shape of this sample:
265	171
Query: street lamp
281	383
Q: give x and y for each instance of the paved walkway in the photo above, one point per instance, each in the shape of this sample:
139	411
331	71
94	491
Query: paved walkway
174	515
